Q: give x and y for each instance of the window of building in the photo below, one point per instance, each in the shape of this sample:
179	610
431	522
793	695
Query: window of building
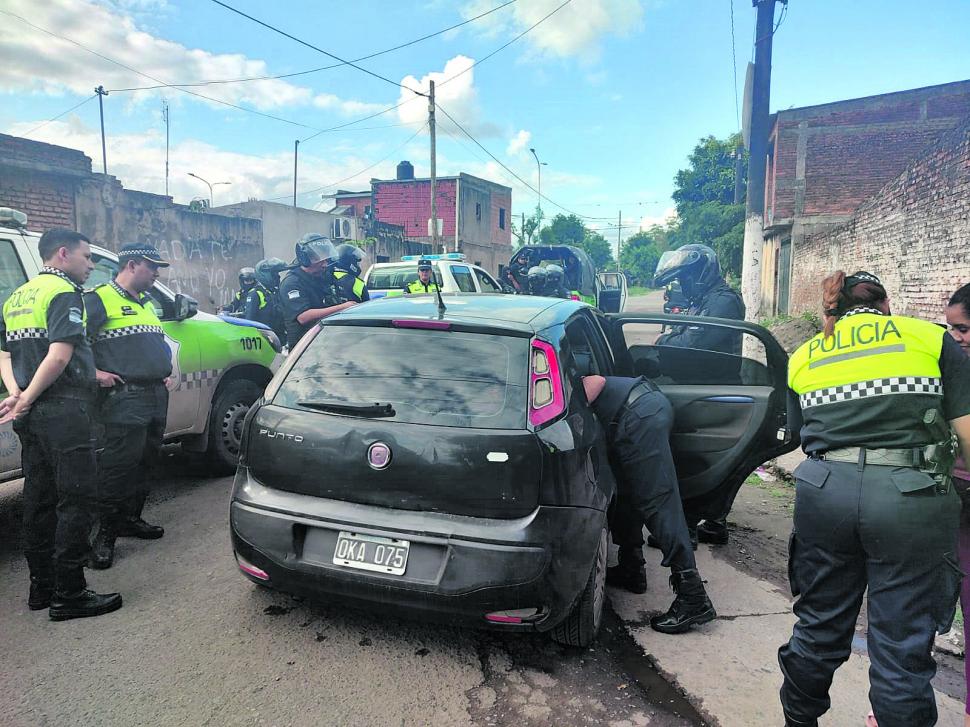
501	218
478	211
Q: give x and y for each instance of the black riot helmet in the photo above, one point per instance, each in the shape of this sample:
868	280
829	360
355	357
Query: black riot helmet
247	277
268	272
350	258
314	247
537	280
694	266
554	281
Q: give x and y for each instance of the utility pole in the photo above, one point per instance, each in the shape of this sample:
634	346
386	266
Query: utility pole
165	117
434	180
757	159
524	243
104	151
619	229
296	153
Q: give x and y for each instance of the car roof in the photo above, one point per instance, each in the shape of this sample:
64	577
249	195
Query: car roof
523	313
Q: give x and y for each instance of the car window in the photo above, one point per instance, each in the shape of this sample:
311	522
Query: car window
696	354
395	278
428	377
583	356
463	278
12	274
486	283
105	270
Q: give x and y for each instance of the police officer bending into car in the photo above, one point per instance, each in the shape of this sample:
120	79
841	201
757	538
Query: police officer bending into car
306	293
48	369
133	361
346	274
874	506
638	418
424	283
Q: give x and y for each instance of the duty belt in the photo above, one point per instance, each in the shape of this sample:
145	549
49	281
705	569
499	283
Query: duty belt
910	457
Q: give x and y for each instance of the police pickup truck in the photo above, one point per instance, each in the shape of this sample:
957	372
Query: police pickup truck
220	366
451	272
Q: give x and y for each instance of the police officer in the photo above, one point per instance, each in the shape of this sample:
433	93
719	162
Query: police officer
698	271
638	418
268	276
518	272
424	283
133	361
346	275
555	282
247	281
874	506
48	368
536	281
306	293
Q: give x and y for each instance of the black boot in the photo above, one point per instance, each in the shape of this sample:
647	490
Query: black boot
630	572
41	590
135	527
691	532
82	604
691	606
103	548
714	532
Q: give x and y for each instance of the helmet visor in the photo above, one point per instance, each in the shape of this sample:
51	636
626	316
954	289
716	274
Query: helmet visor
320	249
672	263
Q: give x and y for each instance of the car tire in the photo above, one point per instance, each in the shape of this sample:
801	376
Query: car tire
225	424
580	627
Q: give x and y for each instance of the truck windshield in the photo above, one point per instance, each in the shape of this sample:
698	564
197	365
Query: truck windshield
422	376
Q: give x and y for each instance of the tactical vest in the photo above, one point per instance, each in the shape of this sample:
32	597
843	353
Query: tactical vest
416	286
873	383
240	299
358	288
125	316
25	311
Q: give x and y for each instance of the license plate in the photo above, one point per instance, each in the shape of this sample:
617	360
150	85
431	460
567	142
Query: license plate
371	552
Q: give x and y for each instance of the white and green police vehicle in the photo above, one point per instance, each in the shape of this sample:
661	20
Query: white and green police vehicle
450	270
219	367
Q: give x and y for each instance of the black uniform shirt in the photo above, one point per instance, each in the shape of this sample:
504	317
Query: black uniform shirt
613	396
65	324
301	292
136	353
721	301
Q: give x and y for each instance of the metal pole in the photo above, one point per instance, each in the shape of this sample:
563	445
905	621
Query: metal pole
539	190
619	229
434	196
165	116
104	150
296	154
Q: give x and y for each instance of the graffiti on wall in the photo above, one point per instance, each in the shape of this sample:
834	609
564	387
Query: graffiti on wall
206	269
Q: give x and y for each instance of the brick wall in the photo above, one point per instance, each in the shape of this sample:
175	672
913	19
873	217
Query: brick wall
357	204
408	203
914	233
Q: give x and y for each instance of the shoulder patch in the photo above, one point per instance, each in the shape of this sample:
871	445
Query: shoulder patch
293	294
74	315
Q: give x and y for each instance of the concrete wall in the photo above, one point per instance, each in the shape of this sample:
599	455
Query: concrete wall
283	224
914	234
206	250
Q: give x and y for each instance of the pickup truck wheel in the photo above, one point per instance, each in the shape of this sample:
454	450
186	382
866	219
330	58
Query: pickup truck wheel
579	628
225	423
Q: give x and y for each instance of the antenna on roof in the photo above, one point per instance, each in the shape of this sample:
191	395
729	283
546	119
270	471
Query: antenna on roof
441	302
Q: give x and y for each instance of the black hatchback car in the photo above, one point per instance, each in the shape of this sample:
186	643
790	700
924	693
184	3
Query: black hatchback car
447	463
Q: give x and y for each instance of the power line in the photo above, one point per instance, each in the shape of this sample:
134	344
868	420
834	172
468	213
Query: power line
325	68
362	171
63	113
734	67
153	78
316	48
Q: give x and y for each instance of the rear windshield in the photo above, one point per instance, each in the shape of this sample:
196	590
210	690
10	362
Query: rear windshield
428	377
395	278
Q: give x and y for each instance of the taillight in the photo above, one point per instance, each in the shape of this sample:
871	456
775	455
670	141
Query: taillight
546	400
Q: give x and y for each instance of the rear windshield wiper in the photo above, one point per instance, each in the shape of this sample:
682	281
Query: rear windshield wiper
337	407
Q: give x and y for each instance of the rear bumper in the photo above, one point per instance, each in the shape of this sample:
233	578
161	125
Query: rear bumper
459	568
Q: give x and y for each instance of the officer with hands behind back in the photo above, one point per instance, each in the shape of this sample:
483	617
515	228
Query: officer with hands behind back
347	280
874	505
48	370
425	282
306	293
133	362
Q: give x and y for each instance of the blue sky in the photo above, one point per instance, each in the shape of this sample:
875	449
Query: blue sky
613	94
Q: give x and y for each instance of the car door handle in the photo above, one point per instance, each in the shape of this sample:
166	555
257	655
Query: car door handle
730	399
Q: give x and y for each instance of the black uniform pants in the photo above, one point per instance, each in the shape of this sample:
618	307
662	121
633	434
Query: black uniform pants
133	422
647	489
60	490
889	529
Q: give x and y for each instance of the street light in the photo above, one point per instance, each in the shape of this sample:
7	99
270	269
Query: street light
209	184
539	166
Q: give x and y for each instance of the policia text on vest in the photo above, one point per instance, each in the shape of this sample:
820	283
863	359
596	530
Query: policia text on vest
861	334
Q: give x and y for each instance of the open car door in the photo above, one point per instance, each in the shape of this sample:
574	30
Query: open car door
731	411
612	292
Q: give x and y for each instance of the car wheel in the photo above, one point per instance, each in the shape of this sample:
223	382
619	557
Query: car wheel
225	423
579	628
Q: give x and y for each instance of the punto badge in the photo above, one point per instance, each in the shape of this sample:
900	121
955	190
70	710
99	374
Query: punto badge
378	455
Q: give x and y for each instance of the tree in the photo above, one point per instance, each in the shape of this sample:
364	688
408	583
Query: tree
570	230
598	249
528	233
641	253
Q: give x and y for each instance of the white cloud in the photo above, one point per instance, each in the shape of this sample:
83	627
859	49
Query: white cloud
519	142
665	217
575	30
454	91
35	61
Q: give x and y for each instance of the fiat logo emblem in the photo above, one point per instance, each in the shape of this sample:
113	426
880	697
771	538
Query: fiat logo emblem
378	455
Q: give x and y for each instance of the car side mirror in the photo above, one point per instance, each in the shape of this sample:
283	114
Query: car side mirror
185	306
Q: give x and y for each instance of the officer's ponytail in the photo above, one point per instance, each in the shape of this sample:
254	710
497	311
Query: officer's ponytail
841	293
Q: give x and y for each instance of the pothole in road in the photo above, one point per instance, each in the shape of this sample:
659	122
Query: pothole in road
530	680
